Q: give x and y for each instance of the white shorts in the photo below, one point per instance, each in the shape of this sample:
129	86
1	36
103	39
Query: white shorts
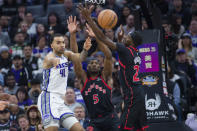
53	110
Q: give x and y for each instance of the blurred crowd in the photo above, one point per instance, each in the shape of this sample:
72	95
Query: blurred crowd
26	27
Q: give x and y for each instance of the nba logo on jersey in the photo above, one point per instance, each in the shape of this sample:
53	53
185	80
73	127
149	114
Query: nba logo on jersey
137	60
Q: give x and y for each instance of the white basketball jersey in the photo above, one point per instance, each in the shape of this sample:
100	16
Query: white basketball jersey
55	78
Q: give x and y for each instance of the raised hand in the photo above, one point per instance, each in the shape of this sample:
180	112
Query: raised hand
85	11
120	34
72	24
87	45
3	105
4	96
89	31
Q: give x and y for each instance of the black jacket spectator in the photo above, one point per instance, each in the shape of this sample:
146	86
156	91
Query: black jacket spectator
21	73
54	24
5	59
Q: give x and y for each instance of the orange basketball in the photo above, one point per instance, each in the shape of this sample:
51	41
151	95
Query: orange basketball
107	19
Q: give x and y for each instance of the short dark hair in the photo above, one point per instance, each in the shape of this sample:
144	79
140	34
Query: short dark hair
55	35
16	57
27	45
136	37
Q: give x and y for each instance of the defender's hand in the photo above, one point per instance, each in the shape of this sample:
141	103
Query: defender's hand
89	31
87	44
72	24
85	11
120	34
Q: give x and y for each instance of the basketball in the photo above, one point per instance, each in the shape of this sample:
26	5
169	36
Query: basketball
107	19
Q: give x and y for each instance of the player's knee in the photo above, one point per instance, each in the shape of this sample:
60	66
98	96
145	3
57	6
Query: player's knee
77	127
81	128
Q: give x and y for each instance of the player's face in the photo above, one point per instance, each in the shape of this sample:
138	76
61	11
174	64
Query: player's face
127	40
58	45
93	66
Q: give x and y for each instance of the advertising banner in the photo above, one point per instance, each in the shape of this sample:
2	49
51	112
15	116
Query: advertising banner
158	107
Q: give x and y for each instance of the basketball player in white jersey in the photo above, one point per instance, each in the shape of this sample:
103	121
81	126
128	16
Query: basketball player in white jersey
50	102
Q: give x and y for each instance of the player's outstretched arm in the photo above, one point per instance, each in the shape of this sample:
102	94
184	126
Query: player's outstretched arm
72	28
77	58
50	61
107	71
86	13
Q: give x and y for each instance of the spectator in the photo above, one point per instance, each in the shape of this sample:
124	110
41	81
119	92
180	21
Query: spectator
4	23
20	72
174	92
191	122
176	25
110	34
186	43
184	64
111	4
70	99
4	38
129	27
180	9
117	99
5	120
35	90
32	63
33	116
163	6
32	26
193	32
144	24
10	84
17	19
42	49
5	59
98	9
23	27
7	106
24	123
17	48
77	86
194	6
40	32
23	98
80	115
54	24
15	113
126	11
70	9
